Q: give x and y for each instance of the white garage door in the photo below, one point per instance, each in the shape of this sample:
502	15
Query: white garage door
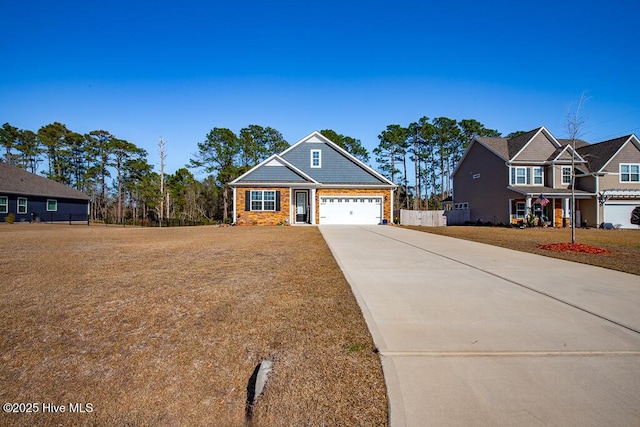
350	210
619	214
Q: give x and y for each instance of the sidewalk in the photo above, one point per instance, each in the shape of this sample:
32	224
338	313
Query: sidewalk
472	334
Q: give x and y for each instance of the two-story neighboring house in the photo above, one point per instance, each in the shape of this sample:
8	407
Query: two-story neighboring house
614	175
502	180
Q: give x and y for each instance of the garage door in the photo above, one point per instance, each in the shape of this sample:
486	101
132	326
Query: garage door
350	210
619	214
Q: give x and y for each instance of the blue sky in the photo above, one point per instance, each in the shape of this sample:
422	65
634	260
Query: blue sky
142	70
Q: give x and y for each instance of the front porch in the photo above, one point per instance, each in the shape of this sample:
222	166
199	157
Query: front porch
548	211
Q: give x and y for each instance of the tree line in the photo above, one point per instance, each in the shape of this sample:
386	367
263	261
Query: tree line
428	151
123	185
113	172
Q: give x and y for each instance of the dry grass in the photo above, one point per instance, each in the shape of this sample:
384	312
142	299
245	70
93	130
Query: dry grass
623	245
164	327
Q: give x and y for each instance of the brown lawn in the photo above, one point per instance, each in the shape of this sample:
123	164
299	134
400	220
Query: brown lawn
622	246
164	327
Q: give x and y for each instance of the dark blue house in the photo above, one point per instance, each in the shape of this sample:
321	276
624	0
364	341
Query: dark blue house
34	198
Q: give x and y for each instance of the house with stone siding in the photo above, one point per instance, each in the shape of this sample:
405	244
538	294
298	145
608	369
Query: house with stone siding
312	182
502	180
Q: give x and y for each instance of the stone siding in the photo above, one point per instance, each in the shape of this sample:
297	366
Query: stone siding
280	217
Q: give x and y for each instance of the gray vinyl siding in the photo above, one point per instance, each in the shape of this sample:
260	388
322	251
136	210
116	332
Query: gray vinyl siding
538	149
272	174
487	195
335	167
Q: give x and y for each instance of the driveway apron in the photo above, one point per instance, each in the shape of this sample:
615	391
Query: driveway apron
471	334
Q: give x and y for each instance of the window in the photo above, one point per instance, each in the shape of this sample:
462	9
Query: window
538	210
263	200
520	209
316	158
566	175
538	176
461	206
4	204
22	205
519	176
630	172
52	205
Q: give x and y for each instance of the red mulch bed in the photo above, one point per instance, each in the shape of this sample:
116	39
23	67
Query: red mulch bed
573	247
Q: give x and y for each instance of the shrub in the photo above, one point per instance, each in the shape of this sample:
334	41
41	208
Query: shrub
9	219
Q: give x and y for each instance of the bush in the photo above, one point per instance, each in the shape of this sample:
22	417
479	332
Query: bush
9	219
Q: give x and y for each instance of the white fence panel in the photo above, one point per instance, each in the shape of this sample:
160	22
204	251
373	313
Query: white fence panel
424	218
458	216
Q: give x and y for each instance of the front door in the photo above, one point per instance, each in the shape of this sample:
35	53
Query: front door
301	206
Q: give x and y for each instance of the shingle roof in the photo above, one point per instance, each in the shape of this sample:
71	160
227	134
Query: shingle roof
14	180
516	143
579	143
497	145
597	155
273	171
337	167
508	148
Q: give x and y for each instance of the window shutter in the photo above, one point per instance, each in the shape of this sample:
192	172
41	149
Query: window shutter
247	200
528	176
277	201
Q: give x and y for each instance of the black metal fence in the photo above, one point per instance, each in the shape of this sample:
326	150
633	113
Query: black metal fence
166	222
83	219
55	217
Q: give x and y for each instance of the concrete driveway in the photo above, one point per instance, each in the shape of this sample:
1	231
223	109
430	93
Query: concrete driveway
472	334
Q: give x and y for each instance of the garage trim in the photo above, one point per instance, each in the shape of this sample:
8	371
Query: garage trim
371	212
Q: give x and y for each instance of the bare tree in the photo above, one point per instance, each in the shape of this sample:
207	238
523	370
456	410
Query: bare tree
575	128
162	157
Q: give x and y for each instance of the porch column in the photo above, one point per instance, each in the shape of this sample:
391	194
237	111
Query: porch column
527	206
312	204
566	212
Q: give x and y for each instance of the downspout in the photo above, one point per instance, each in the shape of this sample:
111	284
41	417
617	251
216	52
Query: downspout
235	219
391	221
595	175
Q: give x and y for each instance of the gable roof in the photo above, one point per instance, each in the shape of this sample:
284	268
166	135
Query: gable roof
497	145
275	169
14	180
517	143
338	167
509	148
601	153
579	142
